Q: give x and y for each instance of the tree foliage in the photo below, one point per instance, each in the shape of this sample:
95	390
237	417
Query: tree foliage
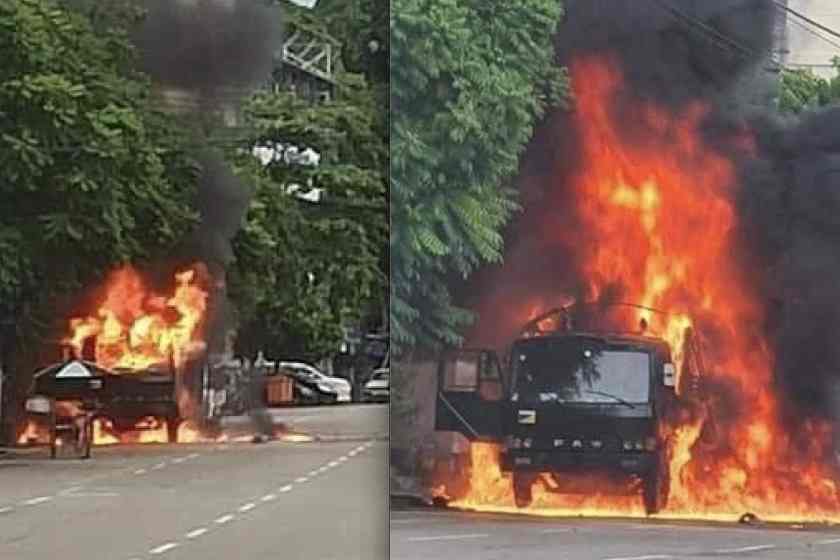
469	80
803	90
305	269
92	174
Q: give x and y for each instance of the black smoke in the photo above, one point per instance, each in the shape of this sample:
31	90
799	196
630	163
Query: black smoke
675	52
208	56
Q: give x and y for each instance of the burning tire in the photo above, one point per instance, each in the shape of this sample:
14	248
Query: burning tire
523	484
656	487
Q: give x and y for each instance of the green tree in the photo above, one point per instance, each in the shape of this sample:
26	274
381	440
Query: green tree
802	90
469	80
92	174
304	269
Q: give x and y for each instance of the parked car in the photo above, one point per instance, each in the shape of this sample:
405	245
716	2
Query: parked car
324	384
378	388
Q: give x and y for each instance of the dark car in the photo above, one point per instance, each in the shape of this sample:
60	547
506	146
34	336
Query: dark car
568	402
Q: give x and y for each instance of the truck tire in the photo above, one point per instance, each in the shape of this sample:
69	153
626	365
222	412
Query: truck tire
523	484
657	486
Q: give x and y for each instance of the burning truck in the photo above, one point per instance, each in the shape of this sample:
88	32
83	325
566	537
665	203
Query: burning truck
573	399
138	364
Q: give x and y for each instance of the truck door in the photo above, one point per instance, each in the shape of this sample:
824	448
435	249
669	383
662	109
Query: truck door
471	394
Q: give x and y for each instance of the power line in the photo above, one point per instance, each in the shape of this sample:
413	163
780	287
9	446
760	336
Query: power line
815	34
803	17
716	37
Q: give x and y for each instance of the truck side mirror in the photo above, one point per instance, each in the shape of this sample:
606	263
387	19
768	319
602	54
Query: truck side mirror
670	375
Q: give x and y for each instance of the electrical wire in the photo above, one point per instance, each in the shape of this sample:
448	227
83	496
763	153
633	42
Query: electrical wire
805	18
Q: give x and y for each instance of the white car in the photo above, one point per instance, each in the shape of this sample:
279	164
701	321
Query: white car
378	389
342	388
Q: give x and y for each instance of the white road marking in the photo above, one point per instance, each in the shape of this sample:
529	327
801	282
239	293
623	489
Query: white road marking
323	470
333	464
140	471
196	533
555	530
6	509
648	557
94	495
224	519
163	548
194	455
301	479
449	537
268	497
342	459
36	501
823	542
312	473
178	460
746	549
70	490
247	507
158	466
286	488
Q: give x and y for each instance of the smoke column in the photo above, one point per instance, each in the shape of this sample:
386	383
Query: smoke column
673	52
217	52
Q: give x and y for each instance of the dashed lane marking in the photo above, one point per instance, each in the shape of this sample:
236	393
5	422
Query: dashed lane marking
163	548
648	557
6	509
754	548
36	501
194	534
332	464
140	471
822	542
301	479
555	530
449	537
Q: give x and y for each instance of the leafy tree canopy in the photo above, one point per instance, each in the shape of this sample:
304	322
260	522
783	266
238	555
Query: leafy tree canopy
469	80
92	173
802	89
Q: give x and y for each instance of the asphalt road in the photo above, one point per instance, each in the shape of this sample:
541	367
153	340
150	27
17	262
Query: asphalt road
422	534
320	499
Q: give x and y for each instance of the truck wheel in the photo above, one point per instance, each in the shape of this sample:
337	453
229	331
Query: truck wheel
523	484
657	486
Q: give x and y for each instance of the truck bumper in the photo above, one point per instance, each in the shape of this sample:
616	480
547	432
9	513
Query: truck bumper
541	461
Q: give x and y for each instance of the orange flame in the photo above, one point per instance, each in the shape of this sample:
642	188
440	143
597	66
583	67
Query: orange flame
135	329
656	207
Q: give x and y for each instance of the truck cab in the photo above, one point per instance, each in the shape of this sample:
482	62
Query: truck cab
567	401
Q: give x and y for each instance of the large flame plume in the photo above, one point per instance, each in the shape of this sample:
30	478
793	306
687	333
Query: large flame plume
654	205
135	328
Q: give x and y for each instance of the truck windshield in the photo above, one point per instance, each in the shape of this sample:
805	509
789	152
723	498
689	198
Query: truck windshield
581	372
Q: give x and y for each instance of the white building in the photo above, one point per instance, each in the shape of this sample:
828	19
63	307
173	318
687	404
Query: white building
806	46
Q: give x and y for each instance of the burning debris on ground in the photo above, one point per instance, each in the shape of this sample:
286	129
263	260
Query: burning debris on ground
667	185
